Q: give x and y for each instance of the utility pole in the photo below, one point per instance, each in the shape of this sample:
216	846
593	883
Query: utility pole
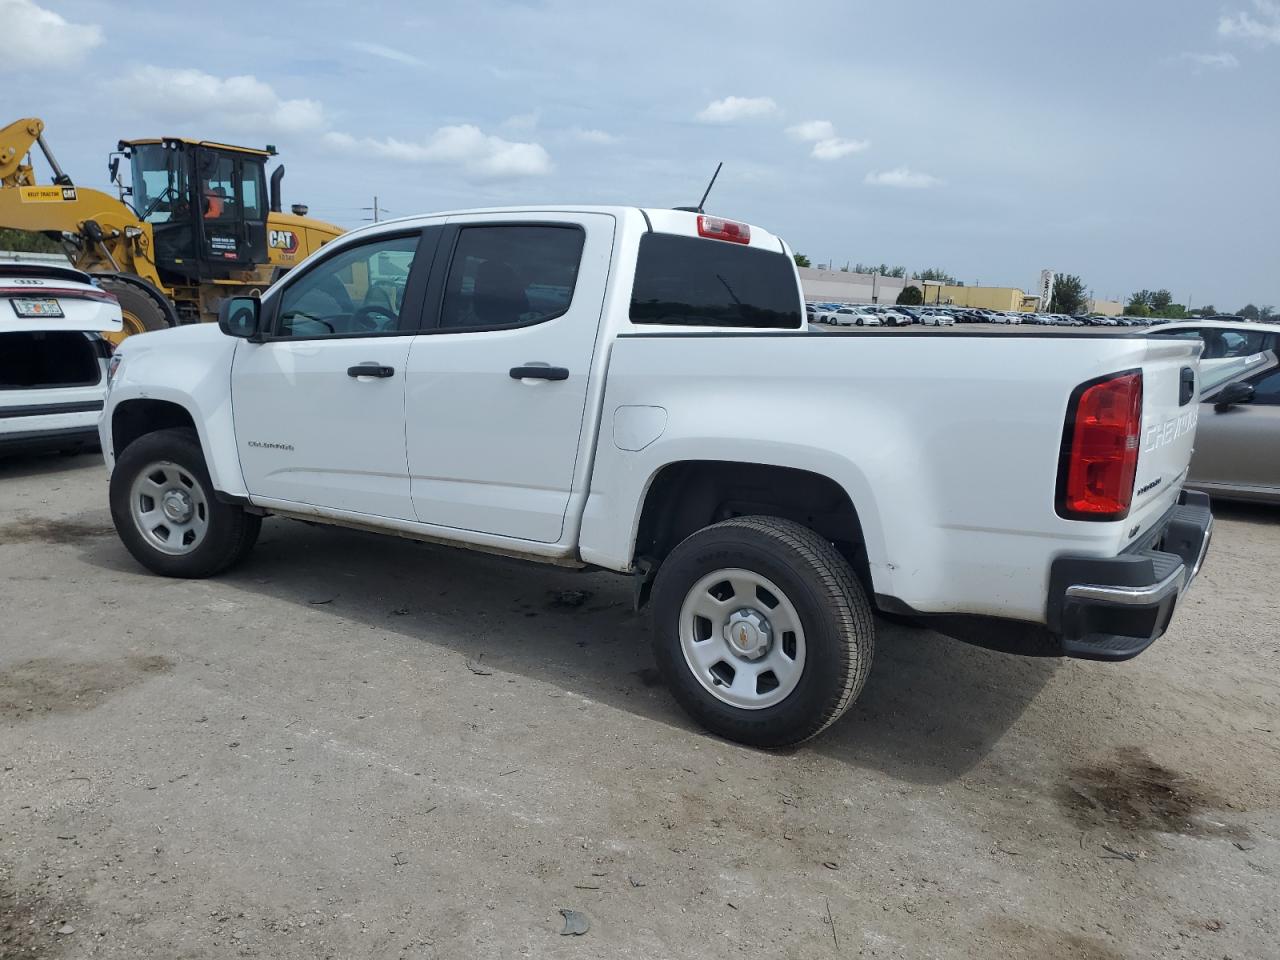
377	211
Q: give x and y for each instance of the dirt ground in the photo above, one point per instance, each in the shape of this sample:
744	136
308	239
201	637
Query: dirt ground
356	746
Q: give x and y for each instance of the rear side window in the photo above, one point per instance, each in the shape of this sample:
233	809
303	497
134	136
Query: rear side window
711	283
510	275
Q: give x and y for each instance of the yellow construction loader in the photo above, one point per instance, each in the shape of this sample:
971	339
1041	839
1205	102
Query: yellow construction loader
196	223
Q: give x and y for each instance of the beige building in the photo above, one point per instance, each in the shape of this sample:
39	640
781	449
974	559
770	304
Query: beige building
839	286
985	298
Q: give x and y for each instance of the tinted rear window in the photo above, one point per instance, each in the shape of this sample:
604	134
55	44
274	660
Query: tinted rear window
711	283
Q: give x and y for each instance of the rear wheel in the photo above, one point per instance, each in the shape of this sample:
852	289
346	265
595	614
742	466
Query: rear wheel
762	631
139	311
165	511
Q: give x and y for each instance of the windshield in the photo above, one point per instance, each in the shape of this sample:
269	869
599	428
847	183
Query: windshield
159	182
1215	374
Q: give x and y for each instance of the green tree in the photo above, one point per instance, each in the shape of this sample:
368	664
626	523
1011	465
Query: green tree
1139	304
884	269
1249	312
1069	294
938	274
1266	312
801	260
910	297
1160	301
1208	310
23	241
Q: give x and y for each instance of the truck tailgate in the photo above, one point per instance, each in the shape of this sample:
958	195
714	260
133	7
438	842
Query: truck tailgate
1170	395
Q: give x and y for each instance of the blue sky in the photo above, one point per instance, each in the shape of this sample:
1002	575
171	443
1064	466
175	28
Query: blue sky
1134	143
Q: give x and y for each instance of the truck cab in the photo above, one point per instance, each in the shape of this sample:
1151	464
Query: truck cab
207	204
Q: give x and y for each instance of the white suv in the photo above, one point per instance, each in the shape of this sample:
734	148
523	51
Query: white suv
53	359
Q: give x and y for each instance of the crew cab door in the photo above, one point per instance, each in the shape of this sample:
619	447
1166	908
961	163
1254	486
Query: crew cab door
498	379
319	405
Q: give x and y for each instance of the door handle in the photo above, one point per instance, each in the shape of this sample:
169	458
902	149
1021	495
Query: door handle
370	370
539	371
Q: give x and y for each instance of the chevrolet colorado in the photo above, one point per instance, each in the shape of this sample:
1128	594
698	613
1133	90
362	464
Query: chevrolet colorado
637	390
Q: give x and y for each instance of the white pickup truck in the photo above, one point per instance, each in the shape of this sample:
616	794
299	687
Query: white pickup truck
637	390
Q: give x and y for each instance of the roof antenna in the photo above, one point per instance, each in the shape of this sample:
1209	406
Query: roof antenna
706	193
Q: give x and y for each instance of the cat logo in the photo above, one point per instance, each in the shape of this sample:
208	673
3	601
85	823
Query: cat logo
286	241
46	194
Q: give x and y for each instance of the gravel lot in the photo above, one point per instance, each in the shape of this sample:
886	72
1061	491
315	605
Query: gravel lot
364	747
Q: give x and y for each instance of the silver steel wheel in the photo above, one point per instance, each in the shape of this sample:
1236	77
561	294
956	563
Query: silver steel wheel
169	508
742	639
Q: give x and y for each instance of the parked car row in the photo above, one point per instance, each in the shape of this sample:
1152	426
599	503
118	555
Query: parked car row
874	315
877	315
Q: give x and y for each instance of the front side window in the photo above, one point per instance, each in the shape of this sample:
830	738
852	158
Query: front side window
1266	389
359	290
710	283
159	182
511	275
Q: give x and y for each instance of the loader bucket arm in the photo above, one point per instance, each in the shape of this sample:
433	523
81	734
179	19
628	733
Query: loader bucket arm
16	141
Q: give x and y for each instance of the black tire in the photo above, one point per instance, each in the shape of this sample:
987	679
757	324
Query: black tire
836	618
141	313
231	532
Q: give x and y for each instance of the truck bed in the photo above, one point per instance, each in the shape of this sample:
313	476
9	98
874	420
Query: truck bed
949	447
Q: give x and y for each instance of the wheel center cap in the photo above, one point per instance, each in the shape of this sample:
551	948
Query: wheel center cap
748	633
176	506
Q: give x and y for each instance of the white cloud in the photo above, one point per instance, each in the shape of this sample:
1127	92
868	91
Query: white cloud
205	103
466	147
826	145
813	130
737	108
1243	25
201	100
386	53
523	121
32	36
902	177
1211	61
599	137
836	147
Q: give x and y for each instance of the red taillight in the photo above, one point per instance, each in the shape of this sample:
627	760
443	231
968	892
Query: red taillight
1100	449
718	229
66	293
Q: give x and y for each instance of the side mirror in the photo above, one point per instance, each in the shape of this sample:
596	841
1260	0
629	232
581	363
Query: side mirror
113	168
239	316
1232	394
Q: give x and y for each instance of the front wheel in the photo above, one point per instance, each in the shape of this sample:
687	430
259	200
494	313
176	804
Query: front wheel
761	630
165	511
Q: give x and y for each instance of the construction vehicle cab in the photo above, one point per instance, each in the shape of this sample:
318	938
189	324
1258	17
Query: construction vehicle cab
206	202
197	223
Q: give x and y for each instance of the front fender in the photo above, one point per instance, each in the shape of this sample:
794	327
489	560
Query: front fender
189	366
